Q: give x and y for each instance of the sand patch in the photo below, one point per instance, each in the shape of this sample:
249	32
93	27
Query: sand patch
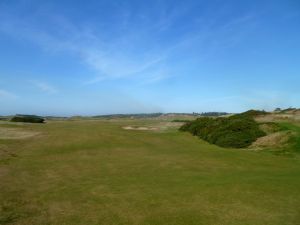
15	133
139	128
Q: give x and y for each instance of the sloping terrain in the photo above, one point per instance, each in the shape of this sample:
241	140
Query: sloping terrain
283	131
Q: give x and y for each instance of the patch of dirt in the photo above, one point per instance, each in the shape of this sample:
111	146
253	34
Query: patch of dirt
139	128
277	139
15	133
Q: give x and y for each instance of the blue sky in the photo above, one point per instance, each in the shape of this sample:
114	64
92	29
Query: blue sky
72	57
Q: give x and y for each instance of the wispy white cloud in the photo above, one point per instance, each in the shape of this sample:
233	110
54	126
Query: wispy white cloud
157	75
133	52
7	95
45	87
116	65
110	60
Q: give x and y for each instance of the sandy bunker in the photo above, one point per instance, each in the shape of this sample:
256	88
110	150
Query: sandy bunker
139	128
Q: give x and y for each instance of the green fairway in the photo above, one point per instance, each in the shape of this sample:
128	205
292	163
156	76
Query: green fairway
95	172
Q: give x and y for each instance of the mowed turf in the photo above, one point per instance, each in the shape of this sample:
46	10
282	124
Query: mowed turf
95	172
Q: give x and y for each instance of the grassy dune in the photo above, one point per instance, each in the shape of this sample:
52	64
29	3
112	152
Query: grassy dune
95	172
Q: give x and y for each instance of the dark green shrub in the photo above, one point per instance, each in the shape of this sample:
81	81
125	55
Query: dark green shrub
254	113
27	119
237	131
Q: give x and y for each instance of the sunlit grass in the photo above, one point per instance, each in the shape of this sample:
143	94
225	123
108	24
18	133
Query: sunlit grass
95	172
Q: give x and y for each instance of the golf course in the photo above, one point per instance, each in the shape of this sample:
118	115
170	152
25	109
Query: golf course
161	112
142	171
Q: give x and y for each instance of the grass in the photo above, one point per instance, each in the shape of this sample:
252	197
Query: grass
95	172
295	140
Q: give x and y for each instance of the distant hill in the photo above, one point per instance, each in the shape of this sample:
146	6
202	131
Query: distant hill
290	110
214	114
139	115
254	113
156	115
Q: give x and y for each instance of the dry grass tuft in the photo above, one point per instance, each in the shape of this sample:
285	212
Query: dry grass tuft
277	139
269	128
278	117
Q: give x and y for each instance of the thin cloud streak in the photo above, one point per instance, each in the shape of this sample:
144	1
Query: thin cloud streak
45	87
7	95
109	60
120	57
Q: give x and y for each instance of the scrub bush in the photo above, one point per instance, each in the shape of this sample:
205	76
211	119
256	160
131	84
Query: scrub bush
27	119
237	131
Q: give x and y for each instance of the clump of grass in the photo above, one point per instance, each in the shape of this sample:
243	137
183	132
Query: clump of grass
270	127
237	131
276	140
294	141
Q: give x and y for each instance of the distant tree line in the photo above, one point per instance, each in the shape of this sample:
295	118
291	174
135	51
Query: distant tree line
138	115
213	114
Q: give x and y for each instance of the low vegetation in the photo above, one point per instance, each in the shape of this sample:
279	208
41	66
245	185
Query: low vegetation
252	113
236	131
180	121
270	127
274	140
27	119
